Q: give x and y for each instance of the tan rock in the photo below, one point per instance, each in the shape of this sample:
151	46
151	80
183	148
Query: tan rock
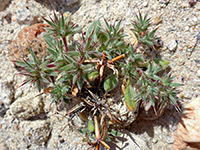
27	107
187	135
29	37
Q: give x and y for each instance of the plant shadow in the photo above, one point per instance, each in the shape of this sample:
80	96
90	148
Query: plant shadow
134	135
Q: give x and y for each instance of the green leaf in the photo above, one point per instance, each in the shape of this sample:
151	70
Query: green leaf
172	100
120	43
115	133
80	83
67	20
53	74
62	22
111	82
38	84
20	63
175	84
130	100
163	62
76	30
74	79
90	126
49	22
92	75
69	59
107	25
151	34
103	36
52	52
26	81
144	27
55	17
29	65
94	27
66	67
34	57
118	24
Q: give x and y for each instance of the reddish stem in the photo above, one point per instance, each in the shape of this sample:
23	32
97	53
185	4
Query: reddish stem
137	46
65	43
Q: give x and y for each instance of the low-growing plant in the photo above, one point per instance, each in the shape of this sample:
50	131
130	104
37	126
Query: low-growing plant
90	69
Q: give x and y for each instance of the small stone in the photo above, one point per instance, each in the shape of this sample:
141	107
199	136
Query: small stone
192	3
170	140
197	61
2	110
145	4
198	37
181	60
172	46
154	140
198	73
14	18
157	20
187	28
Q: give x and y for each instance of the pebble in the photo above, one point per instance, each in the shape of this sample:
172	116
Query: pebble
198	73
170	140
187	28
192	3
198	37
154	140
173	45
157	20
145	4
2	110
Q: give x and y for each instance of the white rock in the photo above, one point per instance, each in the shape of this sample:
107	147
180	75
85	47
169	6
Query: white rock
187	28
172	45
145	4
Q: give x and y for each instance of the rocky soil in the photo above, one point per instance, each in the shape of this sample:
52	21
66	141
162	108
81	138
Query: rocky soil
27	122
